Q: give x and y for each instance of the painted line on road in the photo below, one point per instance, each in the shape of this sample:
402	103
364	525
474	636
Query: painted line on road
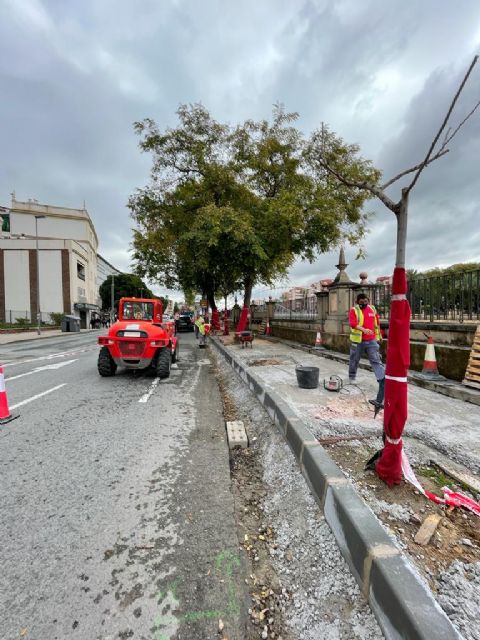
152	388
39	395
62	354
47	367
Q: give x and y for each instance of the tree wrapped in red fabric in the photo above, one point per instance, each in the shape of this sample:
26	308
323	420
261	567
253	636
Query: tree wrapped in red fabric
389	460
389	466
243	320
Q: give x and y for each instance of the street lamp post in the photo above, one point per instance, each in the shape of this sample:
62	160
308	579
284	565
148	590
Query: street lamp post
39	318
112	313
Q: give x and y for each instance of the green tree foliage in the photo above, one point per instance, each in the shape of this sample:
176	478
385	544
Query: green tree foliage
231	207
126	285
454	269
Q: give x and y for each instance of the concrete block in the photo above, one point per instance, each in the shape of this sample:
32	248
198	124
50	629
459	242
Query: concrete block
237	436
297	435
403	605
359	534
320	471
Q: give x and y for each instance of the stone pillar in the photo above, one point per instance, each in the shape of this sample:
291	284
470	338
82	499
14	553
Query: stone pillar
341	294
322	305
235	314
270	309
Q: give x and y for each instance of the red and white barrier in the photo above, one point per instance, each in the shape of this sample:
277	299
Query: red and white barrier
450	498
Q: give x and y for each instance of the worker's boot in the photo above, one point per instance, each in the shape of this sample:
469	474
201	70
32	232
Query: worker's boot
378	402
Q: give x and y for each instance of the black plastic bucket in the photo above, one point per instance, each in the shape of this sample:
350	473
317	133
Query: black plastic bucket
307	377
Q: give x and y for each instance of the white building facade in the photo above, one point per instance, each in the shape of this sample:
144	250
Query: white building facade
67	262
104	270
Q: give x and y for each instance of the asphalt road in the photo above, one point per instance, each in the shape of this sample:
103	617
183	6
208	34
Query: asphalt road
116	511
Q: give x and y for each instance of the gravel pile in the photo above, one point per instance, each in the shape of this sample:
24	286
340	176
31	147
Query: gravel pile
324	599
459	595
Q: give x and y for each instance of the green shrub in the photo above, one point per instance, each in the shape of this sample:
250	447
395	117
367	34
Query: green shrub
22	322
56	318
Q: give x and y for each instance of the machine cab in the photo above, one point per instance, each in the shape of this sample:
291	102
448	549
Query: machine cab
140	310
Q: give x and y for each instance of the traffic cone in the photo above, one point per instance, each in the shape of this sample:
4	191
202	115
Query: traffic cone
318	340
430	369
5	415
268	329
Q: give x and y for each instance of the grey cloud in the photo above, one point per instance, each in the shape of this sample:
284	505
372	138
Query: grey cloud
75	76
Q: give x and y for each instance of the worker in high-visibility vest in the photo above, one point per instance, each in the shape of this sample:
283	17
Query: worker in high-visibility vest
200	324
365	339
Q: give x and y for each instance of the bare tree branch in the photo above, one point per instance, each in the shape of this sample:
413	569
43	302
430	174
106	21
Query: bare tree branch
362	185
415	168
444	124
447	140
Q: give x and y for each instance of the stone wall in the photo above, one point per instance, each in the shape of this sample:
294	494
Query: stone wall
452	342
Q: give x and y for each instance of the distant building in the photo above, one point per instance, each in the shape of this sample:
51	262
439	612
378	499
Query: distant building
385	280
104	270
67	248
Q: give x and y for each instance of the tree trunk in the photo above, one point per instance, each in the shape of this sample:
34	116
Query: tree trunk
211	299
402	220
248	283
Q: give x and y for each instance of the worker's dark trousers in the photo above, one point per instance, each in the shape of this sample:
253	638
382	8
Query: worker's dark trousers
371	349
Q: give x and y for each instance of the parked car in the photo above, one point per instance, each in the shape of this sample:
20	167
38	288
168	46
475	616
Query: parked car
185	322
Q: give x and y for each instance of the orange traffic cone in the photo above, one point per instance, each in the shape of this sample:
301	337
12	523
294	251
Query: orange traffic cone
5	415
318	340
430	369
268	329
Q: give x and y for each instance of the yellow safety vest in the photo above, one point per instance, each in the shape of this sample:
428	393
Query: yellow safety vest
356	334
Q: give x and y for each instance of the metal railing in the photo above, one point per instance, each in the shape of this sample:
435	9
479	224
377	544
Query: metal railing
448	298
302	309
20	317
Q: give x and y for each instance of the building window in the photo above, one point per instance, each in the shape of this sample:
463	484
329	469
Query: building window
80	271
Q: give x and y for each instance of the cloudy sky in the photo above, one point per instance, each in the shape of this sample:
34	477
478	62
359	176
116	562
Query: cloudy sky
74	76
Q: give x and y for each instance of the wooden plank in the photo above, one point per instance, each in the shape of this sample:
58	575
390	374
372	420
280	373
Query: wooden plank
475	375
472	372
427	529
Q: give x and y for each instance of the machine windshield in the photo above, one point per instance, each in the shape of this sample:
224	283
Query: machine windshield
137	311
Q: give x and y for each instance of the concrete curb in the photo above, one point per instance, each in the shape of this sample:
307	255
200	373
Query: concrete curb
401	602
450	388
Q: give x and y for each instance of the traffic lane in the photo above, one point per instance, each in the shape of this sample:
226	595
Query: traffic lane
28	380
31	381
87	504
15	352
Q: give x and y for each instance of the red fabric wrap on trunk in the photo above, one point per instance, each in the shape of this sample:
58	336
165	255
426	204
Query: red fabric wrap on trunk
389	465
216	320
243	320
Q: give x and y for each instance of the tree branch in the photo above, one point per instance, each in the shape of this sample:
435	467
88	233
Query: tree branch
444	124
364	186
447	139
415	168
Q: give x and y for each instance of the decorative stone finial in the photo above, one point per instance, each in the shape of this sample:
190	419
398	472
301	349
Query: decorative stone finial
363	277
342	265
342	276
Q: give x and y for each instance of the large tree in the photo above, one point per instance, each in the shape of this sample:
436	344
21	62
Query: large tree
233	207
125	285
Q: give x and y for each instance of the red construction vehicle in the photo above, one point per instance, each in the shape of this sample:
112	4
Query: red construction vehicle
139	339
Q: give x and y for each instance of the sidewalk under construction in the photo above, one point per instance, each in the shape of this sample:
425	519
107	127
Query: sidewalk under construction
332	434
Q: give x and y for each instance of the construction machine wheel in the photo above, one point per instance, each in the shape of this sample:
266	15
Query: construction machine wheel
175	354
164	362
106	366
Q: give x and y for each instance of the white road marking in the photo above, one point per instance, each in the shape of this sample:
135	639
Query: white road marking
152	388
47	367
51	356
39	395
